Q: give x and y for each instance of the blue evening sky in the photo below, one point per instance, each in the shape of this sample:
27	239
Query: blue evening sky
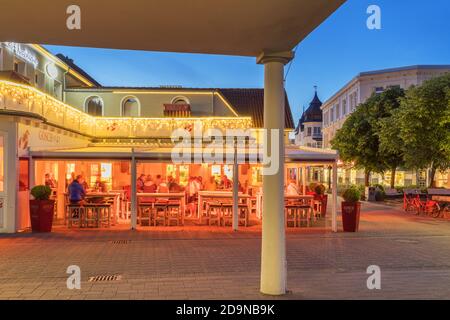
413	32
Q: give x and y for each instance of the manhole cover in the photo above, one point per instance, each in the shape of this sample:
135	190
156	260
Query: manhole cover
407	241
105	278
120	241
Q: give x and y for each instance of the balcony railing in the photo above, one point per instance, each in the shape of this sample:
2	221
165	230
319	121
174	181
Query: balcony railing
18	97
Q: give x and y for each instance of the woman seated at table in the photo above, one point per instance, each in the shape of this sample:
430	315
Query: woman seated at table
99	185
292	189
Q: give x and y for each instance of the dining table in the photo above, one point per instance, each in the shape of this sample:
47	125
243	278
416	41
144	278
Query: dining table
116	202
205	195
179	196
300	197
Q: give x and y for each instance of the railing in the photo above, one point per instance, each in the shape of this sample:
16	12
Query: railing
18	97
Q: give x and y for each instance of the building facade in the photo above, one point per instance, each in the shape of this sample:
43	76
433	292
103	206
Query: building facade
337	109
56	119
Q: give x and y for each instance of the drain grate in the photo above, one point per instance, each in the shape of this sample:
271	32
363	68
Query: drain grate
407	241
105	278
120	241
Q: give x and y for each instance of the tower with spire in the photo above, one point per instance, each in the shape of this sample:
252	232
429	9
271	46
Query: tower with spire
309	129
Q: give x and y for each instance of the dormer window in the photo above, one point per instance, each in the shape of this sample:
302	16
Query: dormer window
178	108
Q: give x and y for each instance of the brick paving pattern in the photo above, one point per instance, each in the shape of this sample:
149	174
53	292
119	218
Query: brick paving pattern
195	263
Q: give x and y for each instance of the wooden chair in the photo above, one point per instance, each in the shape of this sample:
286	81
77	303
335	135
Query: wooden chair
174	212
227	213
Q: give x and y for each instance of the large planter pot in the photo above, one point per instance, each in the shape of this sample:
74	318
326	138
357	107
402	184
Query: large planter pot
350	216
41	214
324	199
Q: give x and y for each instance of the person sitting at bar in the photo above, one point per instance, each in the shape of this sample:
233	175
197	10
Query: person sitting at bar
211	185
292	189
100	186
140	183
49	181
173	186
148	180
76	191
226	183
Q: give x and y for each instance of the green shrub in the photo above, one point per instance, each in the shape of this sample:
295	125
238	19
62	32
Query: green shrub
379	187
41	192
352	194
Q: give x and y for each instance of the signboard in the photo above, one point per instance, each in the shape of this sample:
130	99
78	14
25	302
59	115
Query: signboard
38	137
22	53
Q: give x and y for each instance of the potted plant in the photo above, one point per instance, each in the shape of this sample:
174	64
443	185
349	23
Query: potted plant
41	209
351	208
320	195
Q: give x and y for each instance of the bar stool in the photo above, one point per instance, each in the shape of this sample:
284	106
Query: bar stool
174	212
304	214
213	213
75	213
145	213
104	215
91	215
160	213
227	213
291	214
243	214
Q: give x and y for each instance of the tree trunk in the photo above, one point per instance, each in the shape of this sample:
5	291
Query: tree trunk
394	171
367	178
432	175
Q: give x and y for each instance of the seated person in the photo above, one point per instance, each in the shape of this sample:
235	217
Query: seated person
292	189
76	191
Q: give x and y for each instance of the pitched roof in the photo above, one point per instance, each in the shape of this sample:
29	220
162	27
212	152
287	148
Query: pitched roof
75	67
250	103
312	114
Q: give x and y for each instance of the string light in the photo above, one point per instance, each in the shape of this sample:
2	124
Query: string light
26	98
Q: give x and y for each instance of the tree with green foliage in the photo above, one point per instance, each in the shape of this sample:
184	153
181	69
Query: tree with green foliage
390	145
423	122
358	140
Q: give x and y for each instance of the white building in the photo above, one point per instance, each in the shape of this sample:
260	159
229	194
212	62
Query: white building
309	129
358	90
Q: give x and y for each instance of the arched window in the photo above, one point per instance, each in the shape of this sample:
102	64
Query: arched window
94	106
180	100
130	107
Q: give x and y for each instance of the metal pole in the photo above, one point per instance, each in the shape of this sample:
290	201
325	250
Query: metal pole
334	199
133	191
235	191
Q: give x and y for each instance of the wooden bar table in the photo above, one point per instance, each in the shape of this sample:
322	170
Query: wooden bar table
181	196
286	197
202	195
116	203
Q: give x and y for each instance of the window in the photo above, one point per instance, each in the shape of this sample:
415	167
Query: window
94	106
180	100
316	131
338	111
378	90
130	107
344	107
16	67
309	132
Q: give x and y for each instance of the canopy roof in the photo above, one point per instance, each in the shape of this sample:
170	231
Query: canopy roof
230	27
293	154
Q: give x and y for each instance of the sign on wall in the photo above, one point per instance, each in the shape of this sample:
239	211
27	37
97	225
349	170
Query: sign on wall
38	137
22	53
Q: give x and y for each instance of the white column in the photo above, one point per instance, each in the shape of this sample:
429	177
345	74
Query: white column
304	180
273	254
334	199
133	192
235	192
31	172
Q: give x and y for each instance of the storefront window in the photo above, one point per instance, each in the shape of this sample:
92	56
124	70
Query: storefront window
2	165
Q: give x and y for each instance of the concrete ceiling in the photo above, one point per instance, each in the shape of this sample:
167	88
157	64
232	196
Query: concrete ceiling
230	27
